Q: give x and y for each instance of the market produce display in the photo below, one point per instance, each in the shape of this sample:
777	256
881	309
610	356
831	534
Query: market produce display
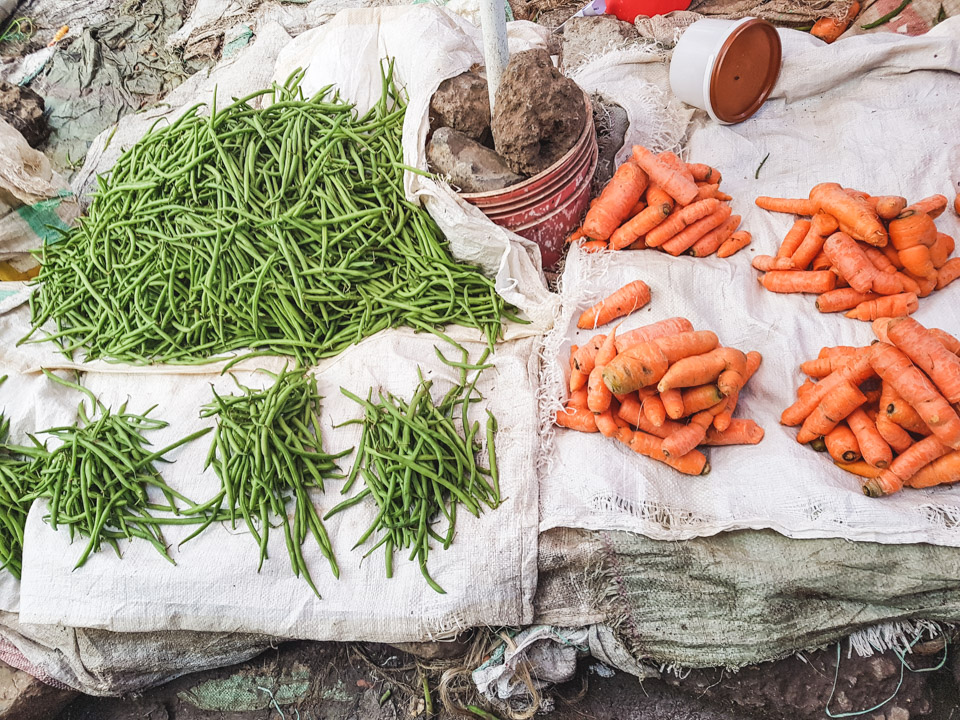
886	412
663	390
872	256
267	451
418	468
17	477
97	479
659	201
283	230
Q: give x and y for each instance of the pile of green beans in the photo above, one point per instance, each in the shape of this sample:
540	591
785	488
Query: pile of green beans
282	230
267	451
17	477
97	479
418	468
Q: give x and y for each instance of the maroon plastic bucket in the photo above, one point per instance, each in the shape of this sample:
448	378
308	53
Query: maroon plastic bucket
547	207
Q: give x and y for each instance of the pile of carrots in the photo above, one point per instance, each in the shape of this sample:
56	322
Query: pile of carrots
887	412
659	201
872	256
662	390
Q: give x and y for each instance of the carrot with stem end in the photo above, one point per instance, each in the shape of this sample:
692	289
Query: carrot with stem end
577	419
701	397
679	220
685	239
905	466
861	220
689	436
842	444
711	242
900	412
898	305
835	406
840	299
646	363
673	182
889	206
693	463
873	447
734	244
723	419
821	227
741	431
599	396
830	29
639	225
630	297
704	173
799	206
932	206
799	281
584	360
942	471
928	354
661	328
615	202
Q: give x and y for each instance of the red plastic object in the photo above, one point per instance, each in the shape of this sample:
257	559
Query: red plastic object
549	206
629	10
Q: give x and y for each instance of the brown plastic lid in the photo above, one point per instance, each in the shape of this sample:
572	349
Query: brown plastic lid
746	69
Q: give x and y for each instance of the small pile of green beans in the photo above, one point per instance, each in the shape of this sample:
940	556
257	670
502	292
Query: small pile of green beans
267	451
97	479
418	468
283	230
17	477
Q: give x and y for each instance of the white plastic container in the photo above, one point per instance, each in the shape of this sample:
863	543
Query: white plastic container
726	67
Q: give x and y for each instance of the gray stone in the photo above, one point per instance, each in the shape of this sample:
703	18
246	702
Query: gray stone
462	103
588	37
470	166
538	114
23	697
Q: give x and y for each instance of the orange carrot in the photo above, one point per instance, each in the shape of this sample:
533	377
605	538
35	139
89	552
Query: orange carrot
892	255
741	431
905	466
887	306
578	398
894	435
857	370
685	239
956	204
693	463
679	220
689	436
637	209
900	412
768	263
842	444
698	398
845	350
861	220
941	250
820	262
598	394
878	259
576	235
680	188
805	387
835	406
707	190
852	263
592	246
624	301
889	206
615	202
946	339
928	354
631	411
608	350
704	173
653	409
925	285
723	419
860	467
873	447
842	299
913	386
585	357
646	363
821	367
830	29
656	195
734	244
793	239
942	471
726	366
787	205
661	328
606	421
912	233
672	160
672	401
821	227
799	281
639	225
932	206
577	419
711	242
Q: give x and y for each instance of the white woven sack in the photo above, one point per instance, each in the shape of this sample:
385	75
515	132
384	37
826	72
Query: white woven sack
848	113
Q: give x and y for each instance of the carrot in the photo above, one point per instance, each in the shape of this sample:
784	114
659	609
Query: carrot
646	363
632	412
855	267
653	409
830	29
672	401
656	195
892	255
698	398
932	206
741	431
956	204
845	350
941	249
861	220
835	406
857	369
768	263
592	246
878	259
661	328
820	262
598	394
606	421
900	412
576	235
924	285
887	306
639	225
615	202
577	419
672	160
793	238
704	173
711	242
821	367
673	182
946	339
912	233
685	239
860	467
608	350
889	206
578	398
734	244
894	435
905	466
637	209
913	386
689	436
842	299
585	357
799	281
787	205
679	220
723	419
726	366
708	190
948	273
693	463
918	261
842	444
928	354
624	301
873	447
821	227
942	471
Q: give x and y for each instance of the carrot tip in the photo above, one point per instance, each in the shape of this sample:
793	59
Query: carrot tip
871	488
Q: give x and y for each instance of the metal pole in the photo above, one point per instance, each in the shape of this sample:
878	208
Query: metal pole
493	20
